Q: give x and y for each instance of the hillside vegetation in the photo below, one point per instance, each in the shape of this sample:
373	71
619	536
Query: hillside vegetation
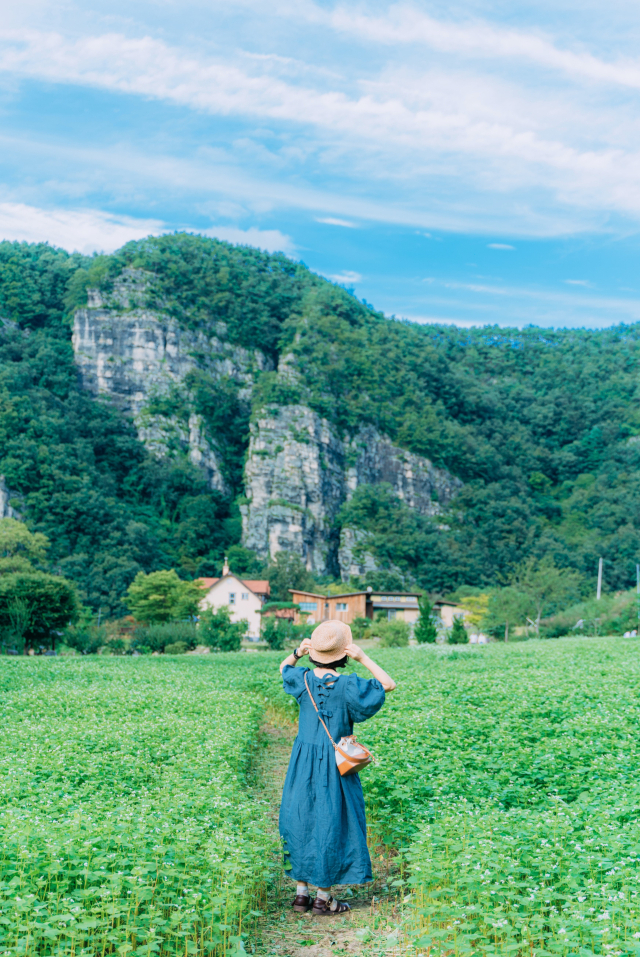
543	427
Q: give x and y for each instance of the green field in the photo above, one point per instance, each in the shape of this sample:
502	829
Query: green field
507	791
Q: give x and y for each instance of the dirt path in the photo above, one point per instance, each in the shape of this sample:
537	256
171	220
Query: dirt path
368	928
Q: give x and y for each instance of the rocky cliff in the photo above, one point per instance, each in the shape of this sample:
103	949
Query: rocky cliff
142	359
298	474
299	471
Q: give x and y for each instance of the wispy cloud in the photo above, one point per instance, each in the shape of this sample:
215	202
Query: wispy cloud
406	24
407	120
330	221
270	239
500	246
83	230
577	282
347	278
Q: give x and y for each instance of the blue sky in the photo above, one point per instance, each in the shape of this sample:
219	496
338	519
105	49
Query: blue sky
472	162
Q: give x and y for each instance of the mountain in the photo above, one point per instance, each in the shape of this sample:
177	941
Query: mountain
183	397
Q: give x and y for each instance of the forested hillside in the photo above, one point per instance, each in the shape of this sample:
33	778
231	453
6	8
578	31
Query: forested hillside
542	427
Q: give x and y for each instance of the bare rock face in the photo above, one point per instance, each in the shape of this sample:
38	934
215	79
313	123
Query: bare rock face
298	474
141	357
6	496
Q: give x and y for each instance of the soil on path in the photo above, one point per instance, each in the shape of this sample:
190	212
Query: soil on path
370	925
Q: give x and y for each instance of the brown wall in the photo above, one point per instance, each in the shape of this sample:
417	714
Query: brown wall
327	607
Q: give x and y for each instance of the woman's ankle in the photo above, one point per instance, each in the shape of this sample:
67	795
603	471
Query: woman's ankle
302	889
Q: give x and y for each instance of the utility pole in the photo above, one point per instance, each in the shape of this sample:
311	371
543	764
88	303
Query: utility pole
638	588
599	580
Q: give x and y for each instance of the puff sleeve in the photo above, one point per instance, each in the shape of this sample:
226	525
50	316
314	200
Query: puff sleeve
293	680
365	696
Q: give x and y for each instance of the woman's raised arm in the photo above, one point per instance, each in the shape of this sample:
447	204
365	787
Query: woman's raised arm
302	651
358	655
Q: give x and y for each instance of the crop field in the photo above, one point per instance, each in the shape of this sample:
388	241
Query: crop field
507	790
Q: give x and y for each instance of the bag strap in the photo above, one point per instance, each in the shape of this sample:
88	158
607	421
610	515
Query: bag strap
335	746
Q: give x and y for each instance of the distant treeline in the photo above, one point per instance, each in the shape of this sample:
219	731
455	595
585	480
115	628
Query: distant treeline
542	426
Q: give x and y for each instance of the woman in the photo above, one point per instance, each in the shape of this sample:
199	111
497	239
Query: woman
322	820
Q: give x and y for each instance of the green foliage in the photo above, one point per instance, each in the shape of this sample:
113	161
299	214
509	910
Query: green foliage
274	631
17	540
170	847
520	814
507	607
176	648
360	628
287	571
393	634
458	634
34	607
163	596
546	586
218	631
540	425
157	636
249	293
425	631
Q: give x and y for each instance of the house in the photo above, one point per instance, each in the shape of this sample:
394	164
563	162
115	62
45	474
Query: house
447	611
315	607
243	597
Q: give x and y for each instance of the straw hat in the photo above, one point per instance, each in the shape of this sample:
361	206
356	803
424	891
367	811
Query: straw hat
329	641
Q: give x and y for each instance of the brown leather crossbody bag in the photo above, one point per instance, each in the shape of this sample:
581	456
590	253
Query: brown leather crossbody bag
351	756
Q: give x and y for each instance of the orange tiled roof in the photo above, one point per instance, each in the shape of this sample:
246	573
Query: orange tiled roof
258	586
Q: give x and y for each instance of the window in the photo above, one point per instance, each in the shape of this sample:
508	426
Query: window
391	614
232	598
308	605
245	596
341	606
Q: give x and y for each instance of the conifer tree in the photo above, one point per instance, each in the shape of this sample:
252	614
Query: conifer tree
425	631
458	634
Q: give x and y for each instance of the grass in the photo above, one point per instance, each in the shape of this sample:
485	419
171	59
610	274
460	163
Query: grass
139	798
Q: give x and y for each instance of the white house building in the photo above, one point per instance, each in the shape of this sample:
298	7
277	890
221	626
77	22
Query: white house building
244	598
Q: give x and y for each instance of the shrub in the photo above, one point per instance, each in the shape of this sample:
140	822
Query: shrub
360	628
163	596
394	634
274	632
458	634
176	648
158	636
218	631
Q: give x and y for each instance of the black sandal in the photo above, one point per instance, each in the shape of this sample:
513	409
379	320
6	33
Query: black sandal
302	903
322	908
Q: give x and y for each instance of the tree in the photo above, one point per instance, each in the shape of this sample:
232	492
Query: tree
458	634
287	571
218	631
35	606
16	541
546	586
425	630
476	607
507	607
163	596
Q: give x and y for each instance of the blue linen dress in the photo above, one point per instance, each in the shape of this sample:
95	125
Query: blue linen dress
322	819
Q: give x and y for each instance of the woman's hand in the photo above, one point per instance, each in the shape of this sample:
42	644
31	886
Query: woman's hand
305	645
353	651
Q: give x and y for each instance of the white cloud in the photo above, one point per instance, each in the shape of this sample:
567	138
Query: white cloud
408	25
81	230
500	246
347	278
272	240
330	221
